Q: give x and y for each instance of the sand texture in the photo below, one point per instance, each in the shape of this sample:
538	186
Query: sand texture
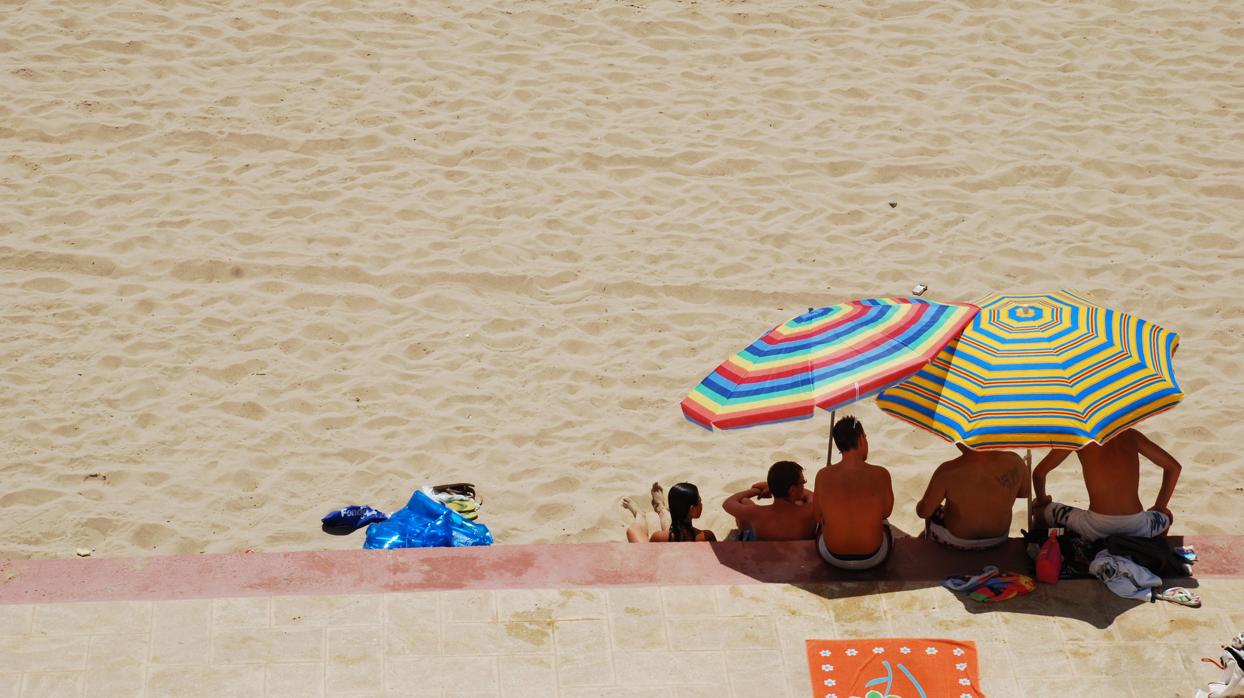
259	262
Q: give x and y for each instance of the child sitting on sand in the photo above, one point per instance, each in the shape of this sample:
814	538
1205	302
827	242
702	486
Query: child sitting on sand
684	505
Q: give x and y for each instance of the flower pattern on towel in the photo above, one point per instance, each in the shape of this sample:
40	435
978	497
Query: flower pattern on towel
893	668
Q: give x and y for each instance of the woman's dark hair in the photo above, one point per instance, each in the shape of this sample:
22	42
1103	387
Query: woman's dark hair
682	498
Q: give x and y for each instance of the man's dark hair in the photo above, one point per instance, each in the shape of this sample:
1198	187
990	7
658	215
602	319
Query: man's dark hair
847	433
783	475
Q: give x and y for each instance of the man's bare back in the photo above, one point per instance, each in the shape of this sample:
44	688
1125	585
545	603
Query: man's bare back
790	516
979	489
852	500
784	520
1112	474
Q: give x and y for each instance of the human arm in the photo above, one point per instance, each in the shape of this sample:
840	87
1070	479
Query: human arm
1052	460
1170	470
934	494
740	504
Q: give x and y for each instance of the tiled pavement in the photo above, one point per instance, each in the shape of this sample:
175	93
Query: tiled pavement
648	640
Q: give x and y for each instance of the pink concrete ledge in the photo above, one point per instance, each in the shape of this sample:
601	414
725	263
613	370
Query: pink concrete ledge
502	567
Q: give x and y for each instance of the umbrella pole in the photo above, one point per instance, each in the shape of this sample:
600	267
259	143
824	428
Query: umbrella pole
829	453
1028	463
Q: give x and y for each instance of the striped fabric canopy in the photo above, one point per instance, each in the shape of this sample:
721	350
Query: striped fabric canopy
825	358
1041	371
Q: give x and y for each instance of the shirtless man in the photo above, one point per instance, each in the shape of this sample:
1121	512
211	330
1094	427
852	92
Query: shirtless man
853	500
980	489
789	517
1112	477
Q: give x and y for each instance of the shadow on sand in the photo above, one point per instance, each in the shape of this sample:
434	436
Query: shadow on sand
915	564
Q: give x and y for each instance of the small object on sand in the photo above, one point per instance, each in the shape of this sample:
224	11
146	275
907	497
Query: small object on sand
1178	595
1003	587
468	508
85	552
919	289
968	583
893	203
349	519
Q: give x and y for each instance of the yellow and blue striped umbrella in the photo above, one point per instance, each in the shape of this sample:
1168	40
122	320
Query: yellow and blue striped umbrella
1041	371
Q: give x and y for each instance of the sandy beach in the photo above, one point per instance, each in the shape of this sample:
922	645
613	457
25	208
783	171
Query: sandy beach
260	262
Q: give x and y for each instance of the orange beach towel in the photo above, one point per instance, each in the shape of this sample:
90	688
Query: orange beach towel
889	668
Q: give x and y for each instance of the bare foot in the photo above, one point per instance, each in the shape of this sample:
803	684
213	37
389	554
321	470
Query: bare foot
658	498
629	505
660	506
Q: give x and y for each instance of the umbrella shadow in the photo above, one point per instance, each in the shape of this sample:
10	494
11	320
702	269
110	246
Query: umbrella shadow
918	564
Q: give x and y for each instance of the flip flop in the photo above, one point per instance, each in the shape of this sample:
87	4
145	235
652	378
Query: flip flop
1003	588
965	583
1178	595
468	508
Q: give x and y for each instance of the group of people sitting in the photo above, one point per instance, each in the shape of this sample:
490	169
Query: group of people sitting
966	506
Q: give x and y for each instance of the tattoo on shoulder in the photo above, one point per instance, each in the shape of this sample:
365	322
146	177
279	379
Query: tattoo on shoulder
1008	479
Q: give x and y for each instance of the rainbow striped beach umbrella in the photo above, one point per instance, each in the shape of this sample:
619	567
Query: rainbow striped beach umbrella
826	358
1038	371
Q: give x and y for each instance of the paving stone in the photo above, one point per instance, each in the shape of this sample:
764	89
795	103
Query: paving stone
115	682
91	618
298	680
355	662
43	653
118	651
243	612
520	637
201	681
16	619
468	606
181	632
577	669
528	676
463	675
56	684
324	611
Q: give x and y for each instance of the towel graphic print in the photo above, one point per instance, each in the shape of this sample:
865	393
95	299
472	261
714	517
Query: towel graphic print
893	668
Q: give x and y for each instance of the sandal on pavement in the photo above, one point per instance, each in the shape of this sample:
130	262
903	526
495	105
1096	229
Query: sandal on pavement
964	583
1178	595
1003	588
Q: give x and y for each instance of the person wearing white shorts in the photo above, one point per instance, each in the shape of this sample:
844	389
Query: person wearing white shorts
1111	474
1094	526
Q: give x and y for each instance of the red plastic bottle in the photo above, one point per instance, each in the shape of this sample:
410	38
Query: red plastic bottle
1050	559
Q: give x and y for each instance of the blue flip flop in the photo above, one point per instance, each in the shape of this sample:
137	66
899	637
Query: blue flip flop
964	583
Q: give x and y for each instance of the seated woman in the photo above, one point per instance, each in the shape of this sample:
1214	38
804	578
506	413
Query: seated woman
684	505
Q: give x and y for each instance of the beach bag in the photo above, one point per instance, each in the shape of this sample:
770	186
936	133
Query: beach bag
1124	577
426	523
1152	553
1050	560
